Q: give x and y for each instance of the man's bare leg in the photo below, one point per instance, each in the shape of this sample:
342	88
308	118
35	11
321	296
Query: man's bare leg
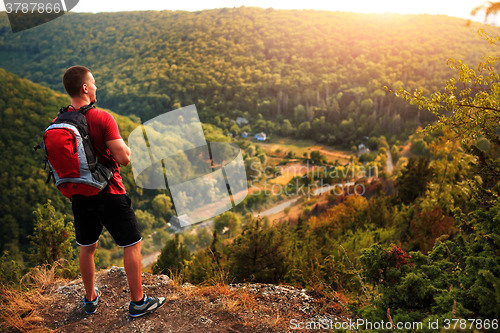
132	263
87	269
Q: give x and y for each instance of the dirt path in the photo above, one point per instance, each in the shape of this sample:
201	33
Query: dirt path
390	167
150	259
336	154
276	209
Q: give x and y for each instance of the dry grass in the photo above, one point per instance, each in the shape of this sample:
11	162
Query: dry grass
231	300
176	277
274	321
290	171
219	278
19	310
43	276
19	307
216	288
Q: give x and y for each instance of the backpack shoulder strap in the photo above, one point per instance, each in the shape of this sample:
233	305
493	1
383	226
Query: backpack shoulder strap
64	109
84	109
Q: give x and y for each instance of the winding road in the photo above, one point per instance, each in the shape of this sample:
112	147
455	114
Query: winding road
390	166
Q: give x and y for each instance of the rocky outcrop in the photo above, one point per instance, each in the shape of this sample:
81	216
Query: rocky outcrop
253	307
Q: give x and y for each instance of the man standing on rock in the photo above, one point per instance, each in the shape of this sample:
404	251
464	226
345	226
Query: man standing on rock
111	207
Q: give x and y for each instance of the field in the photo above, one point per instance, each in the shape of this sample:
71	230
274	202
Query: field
277	153
281	146
291	170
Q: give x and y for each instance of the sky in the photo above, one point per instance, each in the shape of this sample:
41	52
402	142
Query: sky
447	7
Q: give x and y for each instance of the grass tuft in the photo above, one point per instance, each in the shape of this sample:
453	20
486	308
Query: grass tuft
19	304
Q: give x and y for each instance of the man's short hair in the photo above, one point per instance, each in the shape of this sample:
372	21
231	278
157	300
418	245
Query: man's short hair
74	78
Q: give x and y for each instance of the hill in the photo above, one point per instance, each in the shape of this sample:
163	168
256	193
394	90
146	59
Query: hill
26	109
280	64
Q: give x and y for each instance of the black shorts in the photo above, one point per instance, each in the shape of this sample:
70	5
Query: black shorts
109	210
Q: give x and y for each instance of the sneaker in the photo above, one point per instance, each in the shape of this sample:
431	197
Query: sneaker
150	304
91	306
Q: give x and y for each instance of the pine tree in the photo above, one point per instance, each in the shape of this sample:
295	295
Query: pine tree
260	254
413	180
207	265
216	255
173	257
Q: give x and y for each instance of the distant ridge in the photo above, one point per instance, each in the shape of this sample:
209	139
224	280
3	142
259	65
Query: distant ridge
248	59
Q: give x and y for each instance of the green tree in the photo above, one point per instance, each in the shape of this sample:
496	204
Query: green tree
316	156
52	239
207	265
372	143
299	114
162	205
235	129
145	220
367	157
420	148
263	158
160	237
214	250
228	220
10	273
414	179
250	150
253	168
286	128
395	153
303	130
204	237
173	257
260	254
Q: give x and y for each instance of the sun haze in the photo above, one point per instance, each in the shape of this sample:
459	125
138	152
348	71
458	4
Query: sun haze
446	7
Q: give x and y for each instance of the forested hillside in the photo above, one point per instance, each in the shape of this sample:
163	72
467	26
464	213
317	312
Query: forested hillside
26	110
282	64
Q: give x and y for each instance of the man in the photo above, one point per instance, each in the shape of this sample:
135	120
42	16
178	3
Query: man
111	207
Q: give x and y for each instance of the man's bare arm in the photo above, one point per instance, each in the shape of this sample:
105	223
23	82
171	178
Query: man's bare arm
119	150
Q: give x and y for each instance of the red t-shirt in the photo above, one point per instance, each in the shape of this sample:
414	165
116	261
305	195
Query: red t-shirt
102	128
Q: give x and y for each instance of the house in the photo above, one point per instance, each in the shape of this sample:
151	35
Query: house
180	222
241	121
362	149
244	134
260	136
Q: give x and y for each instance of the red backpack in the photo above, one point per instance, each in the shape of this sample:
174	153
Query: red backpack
71	157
